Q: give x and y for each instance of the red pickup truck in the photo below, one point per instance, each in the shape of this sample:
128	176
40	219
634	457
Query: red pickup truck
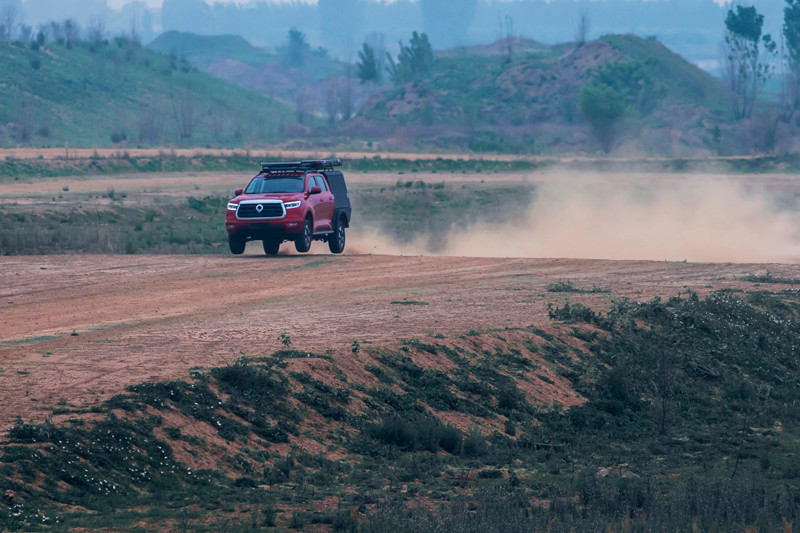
297	201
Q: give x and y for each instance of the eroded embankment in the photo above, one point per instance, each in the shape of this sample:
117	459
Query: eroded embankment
679	397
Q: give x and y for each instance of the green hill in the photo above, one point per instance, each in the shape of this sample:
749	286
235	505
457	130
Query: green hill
98	94
524	99
205	50
686	82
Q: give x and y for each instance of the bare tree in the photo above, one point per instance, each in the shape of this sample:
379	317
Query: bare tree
505	29
215	124
184	114
25	33
72	32
96	32
303	105
56	31
346	95
25	121
582	31
332	100
8	22
151	122
134	23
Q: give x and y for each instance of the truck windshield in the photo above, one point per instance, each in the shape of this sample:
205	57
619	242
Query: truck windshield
261	185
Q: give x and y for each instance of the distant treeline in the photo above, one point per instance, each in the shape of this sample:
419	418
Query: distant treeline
691	27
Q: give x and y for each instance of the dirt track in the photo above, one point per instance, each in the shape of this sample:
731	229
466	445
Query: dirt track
77	329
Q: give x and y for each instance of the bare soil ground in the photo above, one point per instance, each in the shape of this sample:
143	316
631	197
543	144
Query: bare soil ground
67	153
75	330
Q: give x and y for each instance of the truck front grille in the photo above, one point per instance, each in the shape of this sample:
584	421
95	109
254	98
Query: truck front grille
267	210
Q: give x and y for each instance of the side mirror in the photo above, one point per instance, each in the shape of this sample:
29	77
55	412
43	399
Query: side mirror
237	192
315	190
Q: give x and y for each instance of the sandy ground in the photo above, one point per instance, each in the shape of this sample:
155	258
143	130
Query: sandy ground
76	329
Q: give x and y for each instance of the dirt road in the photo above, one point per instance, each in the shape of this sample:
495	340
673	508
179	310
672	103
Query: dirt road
75	330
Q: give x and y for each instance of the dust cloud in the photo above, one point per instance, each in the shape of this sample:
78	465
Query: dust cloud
674	218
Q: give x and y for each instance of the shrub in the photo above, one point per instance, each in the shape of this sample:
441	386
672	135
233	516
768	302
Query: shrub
418	432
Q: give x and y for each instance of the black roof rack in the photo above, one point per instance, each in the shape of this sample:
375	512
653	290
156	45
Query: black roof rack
299	166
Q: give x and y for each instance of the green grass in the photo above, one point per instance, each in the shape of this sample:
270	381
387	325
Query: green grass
193	226
769	278
408	302
429	212
688	84
196	225
568	286
14	169
99	94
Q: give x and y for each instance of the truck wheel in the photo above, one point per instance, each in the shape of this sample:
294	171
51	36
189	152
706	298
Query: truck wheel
271	246
236	244
336	241
303	242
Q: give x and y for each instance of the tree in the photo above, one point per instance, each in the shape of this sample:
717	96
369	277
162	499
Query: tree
96	32
332	100
72	32
632	80
346	96
184	113
296	48
744	70
368	67
791	39
8	22
413	60
617	90
151	122
582	31
507	34
603	106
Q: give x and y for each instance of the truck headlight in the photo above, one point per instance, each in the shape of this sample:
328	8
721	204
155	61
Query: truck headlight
292	205
232	207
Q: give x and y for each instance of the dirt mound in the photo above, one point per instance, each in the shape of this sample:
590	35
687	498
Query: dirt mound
77	329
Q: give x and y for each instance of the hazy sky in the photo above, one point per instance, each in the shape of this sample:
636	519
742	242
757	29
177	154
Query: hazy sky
157	3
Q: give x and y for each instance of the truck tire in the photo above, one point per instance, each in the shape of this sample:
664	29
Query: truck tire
303	241
236	244
336	240
271	246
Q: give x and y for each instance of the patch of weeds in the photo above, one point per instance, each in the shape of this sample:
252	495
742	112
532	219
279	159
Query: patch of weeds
568	286
299	354
769	278
380	373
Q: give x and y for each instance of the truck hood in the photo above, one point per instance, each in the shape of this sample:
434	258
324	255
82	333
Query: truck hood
286	197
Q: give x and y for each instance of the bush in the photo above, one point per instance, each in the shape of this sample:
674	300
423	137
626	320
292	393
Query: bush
418	432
